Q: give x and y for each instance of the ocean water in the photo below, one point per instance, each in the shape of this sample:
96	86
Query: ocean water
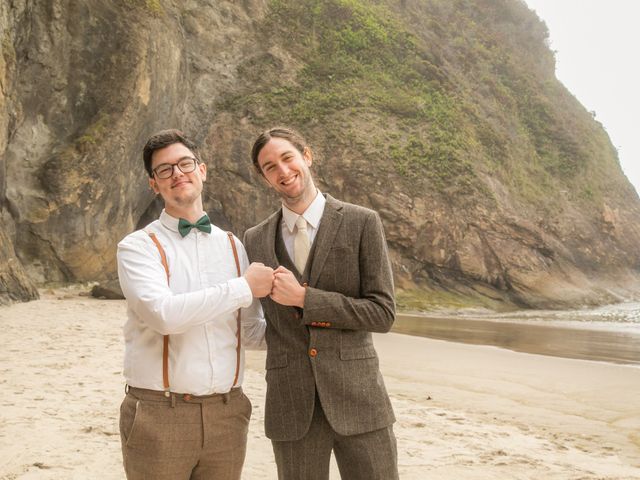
621	317
609	333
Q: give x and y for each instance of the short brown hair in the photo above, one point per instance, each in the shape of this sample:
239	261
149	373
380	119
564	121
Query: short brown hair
289	134
163	139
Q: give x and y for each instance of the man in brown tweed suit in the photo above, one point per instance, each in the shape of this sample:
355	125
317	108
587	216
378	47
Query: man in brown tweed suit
333	286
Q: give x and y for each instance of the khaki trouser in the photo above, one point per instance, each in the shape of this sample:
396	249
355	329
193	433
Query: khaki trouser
184	437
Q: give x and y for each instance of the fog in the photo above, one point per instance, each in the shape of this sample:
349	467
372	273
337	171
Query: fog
596	45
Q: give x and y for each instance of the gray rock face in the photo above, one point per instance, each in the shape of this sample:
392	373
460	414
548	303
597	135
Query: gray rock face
15	285
83	84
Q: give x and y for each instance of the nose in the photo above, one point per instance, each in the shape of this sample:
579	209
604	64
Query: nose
175	171
282	169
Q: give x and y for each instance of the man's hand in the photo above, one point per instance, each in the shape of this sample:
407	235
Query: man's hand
260	279
286	289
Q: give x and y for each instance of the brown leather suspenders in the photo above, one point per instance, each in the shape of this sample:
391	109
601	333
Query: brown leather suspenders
238	321
165	342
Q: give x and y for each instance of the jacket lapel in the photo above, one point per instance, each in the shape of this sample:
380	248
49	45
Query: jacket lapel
331	220
270	258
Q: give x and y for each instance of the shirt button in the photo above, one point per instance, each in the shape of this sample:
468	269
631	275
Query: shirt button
313	352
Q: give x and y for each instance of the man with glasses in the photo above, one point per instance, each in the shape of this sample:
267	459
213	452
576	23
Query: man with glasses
192	309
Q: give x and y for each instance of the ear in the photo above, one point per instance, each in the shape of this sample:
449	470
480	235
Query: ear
153	185
203	171
308	156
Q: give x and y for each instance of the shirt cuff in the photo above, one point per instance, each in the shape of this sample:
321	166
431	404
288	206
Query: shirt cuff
239	288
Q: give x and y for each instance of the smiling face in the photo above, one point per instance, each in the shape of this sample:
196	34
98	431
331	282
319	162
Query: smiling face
182	191
286	170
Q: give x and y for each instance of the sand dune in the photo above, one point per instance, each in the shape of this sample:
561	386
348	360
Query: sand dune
464	411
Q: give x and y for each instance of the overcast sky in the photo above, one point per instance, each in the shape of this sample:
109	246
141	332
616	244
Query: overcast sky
597	58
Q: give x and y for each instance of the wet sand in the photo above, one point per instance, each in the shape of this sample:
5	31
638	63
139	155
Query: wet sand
463	411
582	343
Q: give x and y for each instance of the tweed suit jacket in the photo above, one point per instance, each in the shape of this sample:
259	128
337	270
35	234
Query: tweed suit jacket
349	295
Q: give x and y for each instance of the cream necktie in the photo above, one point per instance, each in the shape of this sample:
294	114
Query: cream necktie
301	244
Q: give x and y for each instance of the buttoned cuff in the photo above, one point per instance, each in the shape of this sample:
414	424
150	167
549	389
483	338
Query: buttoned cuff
239	288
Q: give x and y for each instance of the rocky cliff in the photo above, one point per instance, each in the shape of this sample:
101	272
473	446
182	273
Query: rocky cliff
494	184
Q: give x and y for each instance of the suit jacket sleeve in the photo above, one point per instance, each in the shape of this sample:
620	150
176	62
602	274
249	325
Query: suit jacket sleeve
374	309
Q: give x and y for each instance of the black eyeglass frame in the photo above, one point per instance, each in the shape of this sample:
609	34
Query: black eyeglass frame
194	162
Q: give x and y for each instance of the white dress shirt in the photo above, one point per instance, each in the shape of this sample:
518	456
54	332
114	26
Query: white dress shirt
313	215
197	309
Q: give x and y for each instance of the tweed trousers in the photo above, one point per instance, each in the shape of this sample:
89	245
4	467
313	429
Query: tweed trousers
367	456
184	437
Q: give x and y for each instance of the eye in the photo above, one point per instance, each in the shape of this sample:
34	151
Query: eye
163	169
186	164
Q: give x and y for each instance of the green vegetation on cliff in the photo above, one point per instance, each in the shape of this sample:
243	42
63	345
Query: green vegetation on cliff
447	93
357	59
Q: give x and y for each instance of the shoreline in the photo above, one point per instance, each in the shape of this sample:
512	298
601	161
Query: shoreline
554	340
463	411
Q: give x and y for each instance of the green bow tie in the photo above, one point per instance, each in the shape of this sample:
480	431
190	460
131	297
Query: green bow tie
203	224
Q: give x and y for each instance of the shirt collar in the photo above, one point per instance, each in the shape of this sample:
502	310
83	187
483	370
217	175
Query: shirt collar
168	221
313	213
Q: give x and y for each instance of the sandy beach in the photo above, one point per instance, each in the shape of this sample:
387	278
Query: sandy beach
464	411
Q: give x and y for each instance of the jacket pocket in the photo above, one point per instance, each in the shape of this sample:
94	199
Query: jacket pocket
276	360
358	353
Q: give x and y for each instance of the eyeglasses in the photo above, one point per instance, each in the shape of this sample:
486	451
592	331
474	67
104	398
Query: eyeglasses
185	165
